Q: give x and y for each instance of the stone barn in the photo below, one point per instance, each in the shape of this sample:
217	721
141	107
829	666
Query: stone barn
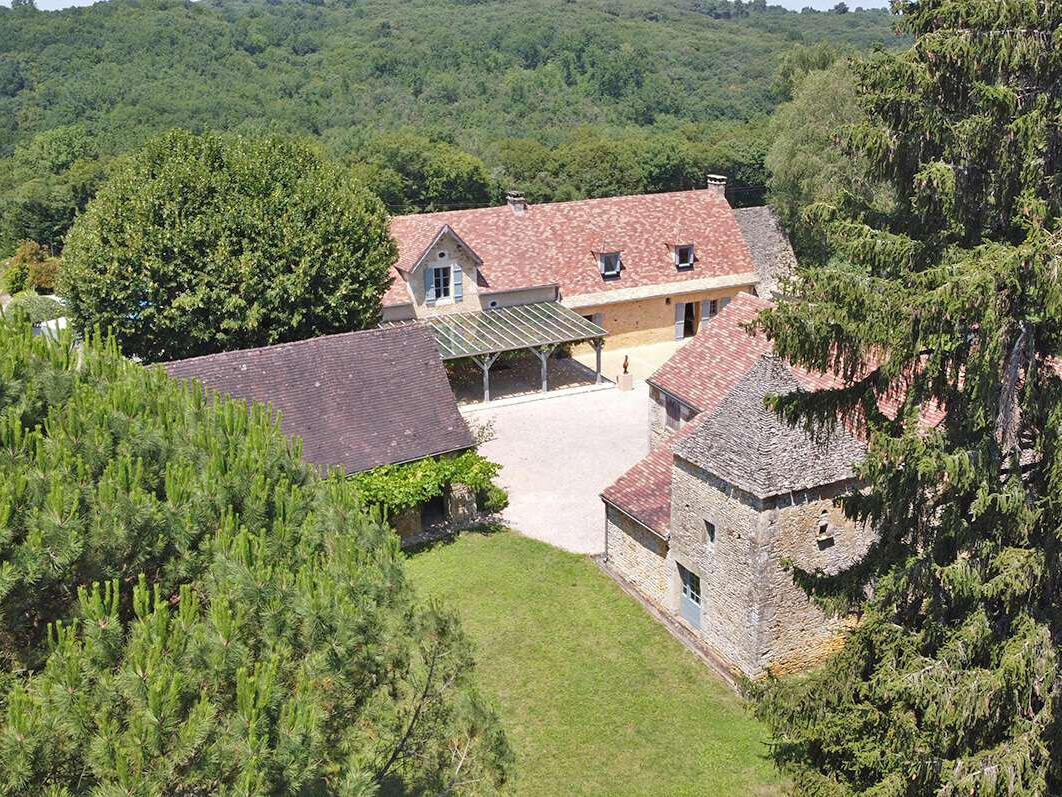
702	526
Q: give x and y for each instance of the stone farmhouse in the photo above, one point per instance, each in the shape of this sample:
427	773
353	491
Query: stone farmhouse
357	400
645	268
701	527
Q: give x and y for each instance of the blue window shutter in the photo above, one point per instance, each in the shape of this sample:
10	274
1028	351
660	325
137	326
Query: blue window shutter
680	319
706	310
724	302
458	279
429	285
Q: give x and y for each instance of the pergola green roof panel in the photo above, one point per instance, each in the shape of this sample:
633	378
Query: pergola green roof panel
508	329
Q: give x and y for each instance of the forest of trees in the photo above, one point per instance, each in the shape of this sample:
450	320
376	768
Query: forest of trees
562	100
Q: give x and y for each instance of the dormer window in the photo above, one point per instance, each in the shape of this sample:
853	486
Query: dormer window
609	263
684	256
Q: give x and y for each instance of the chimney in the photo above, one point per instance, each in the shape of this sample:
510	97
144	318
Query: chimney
717	183
516	202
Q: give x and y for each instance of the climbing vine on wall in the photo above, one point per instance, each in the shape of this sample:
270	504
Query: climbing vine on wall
397	487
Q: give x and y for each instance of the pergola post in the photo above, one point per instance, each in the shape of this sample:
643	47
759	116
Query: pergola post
599	344
543	353
485	362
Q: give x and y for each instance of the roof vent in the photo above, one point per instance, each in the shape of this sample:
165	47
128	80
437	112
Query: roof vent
717	183
516	202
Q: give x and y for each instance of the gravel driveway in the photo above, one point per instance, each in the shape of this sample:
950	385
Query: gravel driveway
559	453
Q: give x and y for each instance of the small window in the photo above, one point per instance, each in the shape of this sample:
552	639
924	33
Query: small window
824	537
684	256
691	585
709	532
610	264
442	255
441	280
674	412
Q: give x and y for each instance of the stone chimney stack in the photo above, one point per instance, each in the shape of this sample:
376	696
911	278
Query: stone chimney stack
717	183
516	202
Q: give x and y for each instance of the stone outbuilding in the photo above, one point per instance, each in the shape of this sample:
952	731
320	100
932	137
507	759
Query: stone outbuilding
702	526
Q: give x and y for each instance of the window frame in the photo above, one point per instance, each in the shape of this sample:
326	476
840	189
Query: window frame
691	585
679	262
604	258
445	284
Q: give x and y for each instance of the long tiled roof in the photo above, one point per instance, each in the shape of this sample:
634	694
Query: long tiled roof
707	367
357	400
557	243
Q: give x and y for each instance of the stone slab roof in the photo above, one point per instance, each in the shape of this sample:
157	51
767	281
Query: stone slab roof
746	444
769	245
357	400
557	243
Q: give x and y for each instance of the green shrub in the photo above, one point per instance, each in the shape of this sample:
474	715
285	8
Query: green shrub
36	307
42	276
15	274
493	499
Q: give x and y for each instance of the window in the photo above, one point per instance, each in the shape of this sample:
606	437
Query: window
684	256
709	532
709	309
441	280
610	264
825	536
674	412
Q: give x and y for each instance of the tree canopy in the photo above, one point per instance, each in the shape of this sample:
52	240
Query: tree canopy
950	305
206	243
603	87
187	608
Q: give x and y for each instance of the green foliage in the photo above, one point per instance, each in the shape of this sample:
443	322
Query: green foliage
950	684
393	488
207	243
47	182
806	161
471	75
31	266
35	307
197	611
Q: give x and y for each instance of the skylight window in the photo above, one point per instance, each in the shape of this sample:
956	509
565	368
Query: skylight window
610	264
684	256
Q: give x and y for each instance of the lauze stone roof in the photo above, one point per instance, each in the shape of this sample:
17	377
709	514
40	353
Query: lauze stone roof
557	243
704	374
745	444
357	400
771	251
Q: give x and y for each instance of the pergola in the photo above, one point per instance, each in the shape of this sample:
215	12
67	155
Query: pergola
485	335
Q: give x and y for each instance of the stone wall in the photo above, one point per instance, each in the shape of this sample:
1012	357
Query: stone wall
451	253
641	321
638	555
752	613
658	431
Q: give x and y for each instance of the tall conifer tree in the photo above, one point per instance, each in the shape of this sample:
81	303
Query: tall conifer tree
953	305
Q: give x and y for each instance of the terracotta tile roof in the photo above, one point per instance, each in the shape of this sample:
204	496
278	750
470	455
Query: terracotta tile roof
707	367
644	491
556	243
357	400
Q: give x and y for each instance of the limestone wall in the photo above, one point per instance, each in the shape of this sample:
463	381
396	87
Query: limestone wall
730	568
638	555
658	431
752	613
634	323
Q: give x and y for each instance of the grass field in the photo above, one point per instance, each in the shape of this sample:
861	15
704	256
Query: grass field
595	696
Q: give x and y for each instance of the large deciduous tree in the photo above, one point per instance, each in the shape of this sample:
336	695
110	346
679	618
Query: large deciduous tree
950	683
204	243
186	608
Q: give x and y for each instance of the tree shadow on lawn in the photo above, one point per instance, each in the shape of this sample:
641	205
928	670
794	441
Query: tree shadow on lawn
487	528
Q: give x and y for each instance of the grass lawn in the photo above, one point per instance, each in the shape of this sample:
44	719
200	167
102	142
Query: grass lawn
596	697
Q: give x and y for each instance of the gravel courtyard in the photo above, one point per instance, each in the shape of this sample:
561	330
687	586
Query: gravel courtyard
559	453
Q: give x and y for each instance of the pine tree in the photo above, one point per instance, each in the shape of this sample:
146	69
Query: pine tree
186	608
952	307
